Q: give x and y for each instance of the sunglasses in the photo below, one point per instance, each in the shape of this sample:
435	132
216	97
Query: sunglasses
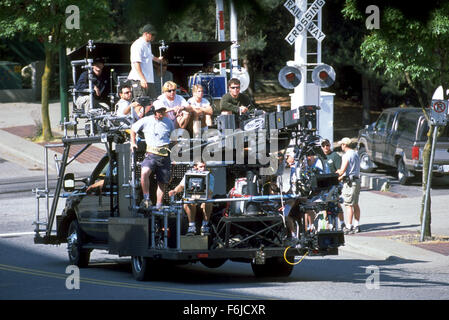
126	92
234	87
171	90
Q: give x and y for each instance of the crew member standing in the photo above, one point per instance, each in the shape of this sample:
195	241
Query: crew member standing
142	75
349	172
157	129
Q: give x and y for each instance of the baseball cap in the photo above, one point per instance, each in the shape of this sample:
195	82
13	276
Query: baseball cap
345	141
148	28
158	105
325	142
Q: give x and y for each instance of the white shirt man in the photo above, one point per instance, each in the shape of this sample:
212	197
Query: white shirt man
177	107
142	64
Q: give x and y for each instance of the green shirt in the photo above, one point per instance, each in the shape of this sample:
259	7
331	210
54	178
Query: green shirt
228	103
333	161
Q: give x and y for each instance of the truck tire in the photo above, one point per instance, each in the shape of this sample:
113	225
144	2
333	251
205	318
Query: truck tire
140	267
77	255
213	263
273	267
366	164
403	173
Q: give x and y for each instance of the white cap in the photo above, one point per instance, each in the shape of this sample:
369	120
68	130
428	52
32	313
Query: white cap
345	141
158	105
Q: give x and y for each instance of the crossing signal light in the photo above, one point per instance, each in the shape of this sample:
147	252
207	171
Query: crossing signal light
323	76
289	77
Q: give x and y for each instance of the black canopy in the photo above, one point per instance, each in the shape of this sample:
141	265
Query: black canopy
177	52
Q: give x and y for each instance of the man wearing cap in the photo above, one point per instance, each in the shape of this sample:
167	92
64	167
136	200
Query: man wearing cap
142	75
157	129
349	172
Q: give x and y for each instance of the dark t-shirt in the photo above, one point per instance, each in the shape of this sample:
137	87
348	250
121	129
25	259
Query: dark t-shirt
228	103
334	161
101	82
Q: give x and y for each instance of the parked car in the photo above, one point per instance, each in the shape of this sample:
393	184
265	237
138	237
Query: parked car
397	140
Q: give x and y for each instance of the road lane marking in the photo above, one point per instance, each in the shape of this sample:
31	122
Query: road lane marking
129	285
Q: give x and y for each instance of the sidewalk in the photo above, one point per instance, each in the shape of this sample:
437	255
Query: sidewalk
388	219
383	214
19	122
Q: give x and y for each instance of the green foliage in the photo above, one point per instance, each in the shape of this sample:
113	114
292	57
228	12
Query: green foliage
408	49
45	20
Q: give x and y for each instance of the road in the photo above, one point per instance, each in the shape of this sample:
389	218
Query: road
33	271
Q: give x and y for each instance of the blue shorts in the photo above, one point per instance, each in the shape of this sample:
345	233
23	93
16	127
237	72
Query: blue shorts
160	165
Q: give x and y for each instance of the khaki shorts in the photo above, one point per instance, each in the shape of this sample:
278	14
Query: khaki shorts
351	193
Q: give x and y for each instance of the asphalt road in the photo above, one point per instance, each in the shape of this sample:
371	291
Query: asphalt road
35	272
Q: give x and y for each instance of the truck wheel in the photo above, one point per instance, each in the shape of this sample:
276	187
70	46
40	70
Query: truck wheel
213	263
366	164
273	267
403	173
140	267
77	255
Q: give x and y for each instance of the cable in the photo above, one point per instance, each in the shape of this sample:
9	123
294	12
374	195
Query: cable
291	263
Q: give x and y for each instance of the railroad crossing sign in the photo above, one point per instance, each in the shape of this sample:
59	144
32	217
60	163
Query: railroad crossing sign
305	20
439	112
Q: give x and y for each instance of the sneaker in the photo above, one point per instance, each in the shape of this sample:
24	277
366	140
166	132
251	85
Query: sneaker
191	231
343	226
348	230
205	230
145	204
356	230
158	206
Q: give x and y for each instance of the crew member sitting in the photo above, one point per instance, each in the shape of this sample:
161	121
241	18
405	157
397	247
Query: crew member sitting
100	85
124	105
191	209
235	102
201	110
177	108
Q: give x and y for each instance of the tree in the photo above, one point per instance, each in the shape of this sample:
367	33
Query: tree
46	20
410	48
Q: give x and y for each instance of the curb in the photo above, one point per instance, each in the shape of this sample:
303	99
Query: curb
23	152
373	182
32	155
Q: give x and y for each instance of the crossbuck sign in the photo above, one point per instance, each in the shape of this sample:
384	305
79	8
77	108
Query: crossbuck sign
305	20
